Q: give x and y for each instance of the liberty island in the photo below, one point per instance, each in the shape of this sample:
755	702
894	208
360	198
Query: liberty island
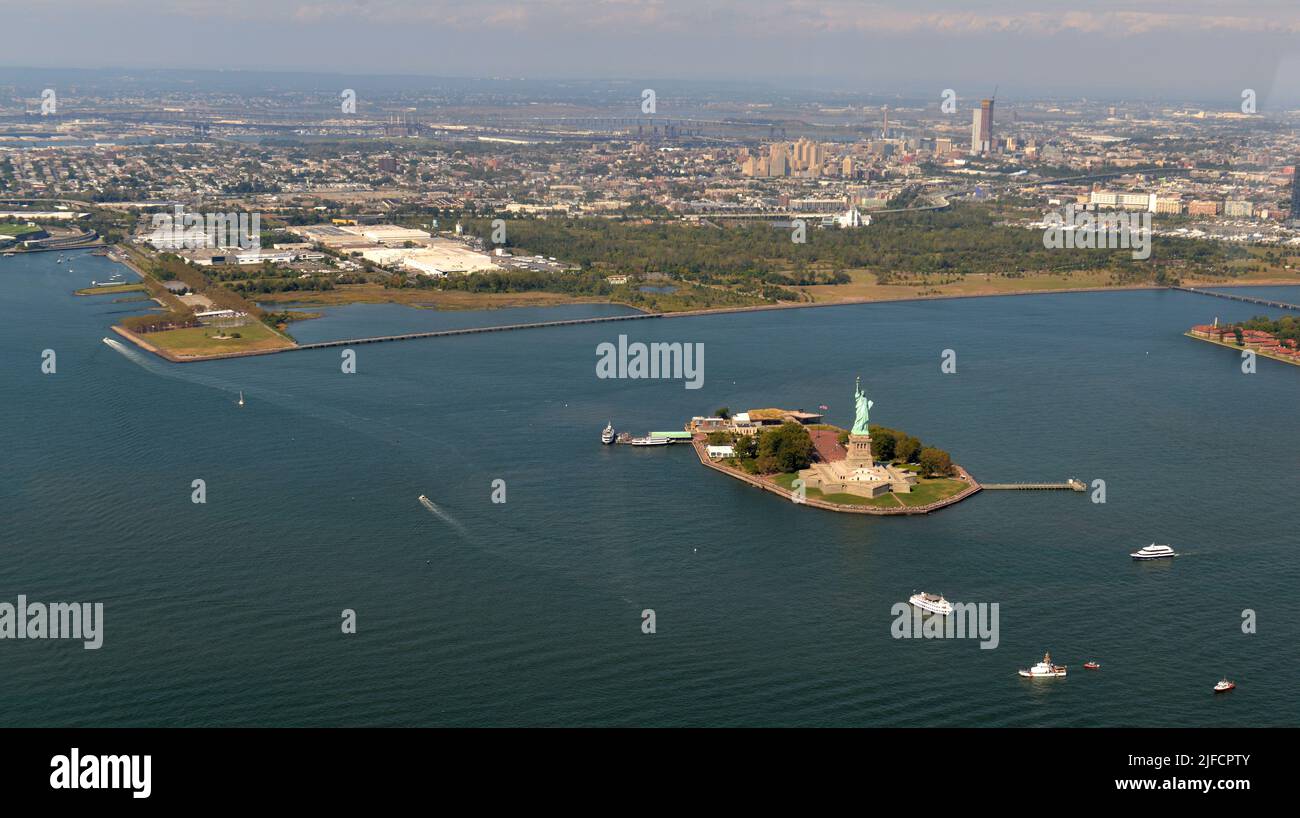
794	454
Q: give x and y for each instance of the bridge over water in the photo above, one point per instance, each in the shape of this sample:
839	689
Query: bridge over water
379	339
1249	299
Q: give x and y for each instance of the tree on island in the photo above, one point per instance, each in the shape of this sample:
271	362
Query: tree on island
722	412
746	446
893	446
935	462
906	448
787	448
1241	341
882	443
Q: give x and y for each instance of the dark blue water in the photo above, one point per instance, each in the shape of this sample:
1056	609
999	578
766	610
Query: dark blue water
529	612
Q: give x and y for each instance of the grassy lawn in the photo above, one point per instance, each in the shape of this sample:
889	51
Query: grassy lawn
7	229
425	298
930	490
883	501
203	340
110	289
865	286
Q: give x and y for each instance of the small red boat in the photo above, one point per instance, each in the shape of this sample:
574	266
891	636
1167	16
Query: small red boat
1091	665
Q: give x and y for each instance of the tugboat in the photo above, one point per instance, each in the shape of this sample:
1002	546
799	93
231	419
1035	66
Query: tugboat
934	603
607	436
1044	668
1091	666
1224	686
1153	552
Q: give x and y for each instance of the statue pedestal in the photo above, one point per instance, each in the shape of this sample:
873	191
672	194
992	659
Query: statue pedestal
859	447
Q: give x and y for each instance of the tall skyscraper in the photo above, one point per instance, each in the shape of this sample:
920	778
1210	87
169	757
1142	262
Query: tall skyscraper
778	163
981	132
884	127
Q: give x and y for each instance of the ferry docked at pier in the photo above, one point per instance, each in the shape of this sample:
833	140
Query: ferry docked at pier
1153	552
934	603
607	436
650	441
1044	669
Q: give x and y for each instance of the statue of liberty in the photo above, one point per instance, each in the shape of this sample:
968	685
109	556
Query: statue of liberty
862	408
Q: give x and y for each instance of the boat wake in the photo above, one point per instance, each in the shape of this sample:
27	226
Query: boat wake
135	357
170	371
442	515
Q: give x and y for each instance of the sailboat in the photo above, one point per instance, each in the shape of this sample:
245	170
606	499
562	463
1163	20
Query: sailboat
241	397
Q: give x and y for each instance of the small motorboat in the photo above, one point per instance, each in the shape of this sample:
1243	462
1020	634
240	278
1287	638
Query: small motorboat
1224	686
241	397
1091	666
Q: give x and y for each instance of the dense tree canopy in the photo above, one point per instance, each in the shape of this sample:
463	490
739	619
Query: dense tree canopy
786	448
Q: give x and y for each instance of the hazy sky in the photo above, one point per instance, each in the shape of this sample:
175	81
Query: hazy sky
1142	48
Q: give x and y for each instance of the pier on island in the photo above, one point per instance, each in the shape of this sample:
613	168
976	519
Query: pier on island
1069	485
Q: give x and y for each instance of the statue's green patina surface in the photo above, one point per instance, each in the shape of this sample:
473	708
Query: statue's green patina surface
862	409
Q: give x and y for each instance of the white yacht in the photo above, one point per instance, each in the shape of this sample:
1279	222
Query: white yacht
607	436
934	603
1044	669
1153	552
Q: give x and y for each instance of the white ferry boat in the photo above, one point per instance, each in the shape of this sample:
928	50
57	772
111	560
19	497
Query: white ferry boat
934	603
1224	686
1043	669
607	436
1153	552
650	441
